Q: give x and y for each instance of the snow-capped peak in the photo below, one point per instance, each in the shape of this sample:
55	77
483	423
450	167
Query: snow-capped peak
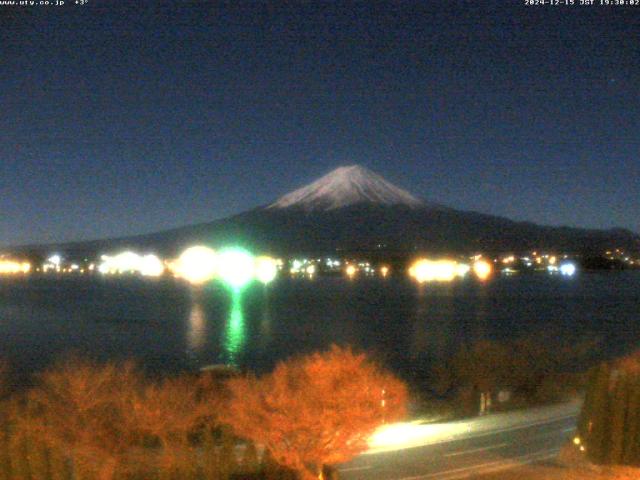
346	186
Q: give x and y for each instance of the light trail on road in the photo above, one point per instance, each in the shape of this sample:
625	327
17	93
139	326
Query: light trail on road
465	449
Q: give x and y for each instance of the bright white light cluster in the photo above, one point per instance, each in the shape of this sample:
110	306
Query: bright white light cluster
131	262
366	268
310	267
52	263
332	263
234	266
425	270
568	269
266	269
196	265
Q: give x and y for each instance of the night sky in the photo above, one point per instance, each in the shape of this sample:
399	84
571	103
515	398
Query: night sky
123	120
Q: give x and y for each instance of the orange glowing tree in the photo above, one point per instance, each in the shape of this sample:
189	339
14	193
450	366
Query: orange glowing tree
315	410
169	412
80	405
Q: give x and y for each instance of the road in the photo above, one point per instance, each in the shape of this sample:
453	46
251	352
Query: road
465	449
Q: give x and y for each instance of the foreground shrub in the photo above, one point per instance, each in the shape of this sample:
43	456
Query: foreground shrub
110	422
315	410
79	408
168	414
609	424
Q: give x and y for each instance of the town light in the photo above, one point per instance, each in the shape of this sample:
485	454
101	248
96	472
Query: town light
196	264
482	269
424	270
568	269
129	262
235	267
126	262
296	265
13	267
462	269
266	269
351	271
151	266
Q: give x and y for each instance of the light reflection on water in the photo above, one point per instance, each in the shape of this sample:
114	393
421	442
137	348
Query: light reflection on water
235	331
265	322
165	325
420	338
196	330
233	336
432	321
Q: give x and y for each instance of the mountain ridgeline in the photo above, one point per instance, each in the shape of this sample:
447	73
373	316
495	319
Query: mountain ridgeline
354	210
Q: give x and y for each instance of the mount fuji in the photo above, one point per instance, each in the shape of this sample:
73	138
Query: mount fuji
354	210
344	187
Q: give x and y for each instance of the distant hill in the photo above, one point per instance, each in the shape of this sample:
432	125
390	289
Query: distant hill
352	209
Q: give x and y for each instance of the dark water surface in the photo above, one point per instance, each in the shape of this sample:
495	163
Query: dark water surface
168	326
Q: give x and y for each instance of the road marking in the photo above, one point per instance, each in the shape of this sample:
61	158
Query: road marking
490	467
354	469
474	450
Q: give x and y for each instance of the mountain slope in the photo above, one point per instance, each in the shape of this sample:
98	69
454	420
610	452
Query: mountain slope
355	210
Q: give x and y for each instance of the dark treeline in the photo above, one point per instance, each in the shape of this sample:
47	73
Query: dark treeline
491	375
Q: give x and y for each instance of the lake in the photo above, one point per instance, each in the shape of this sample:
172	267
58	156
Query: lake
166	325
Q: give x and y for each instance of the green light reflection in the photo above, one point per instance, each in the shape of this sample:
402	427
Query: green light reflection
235	332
